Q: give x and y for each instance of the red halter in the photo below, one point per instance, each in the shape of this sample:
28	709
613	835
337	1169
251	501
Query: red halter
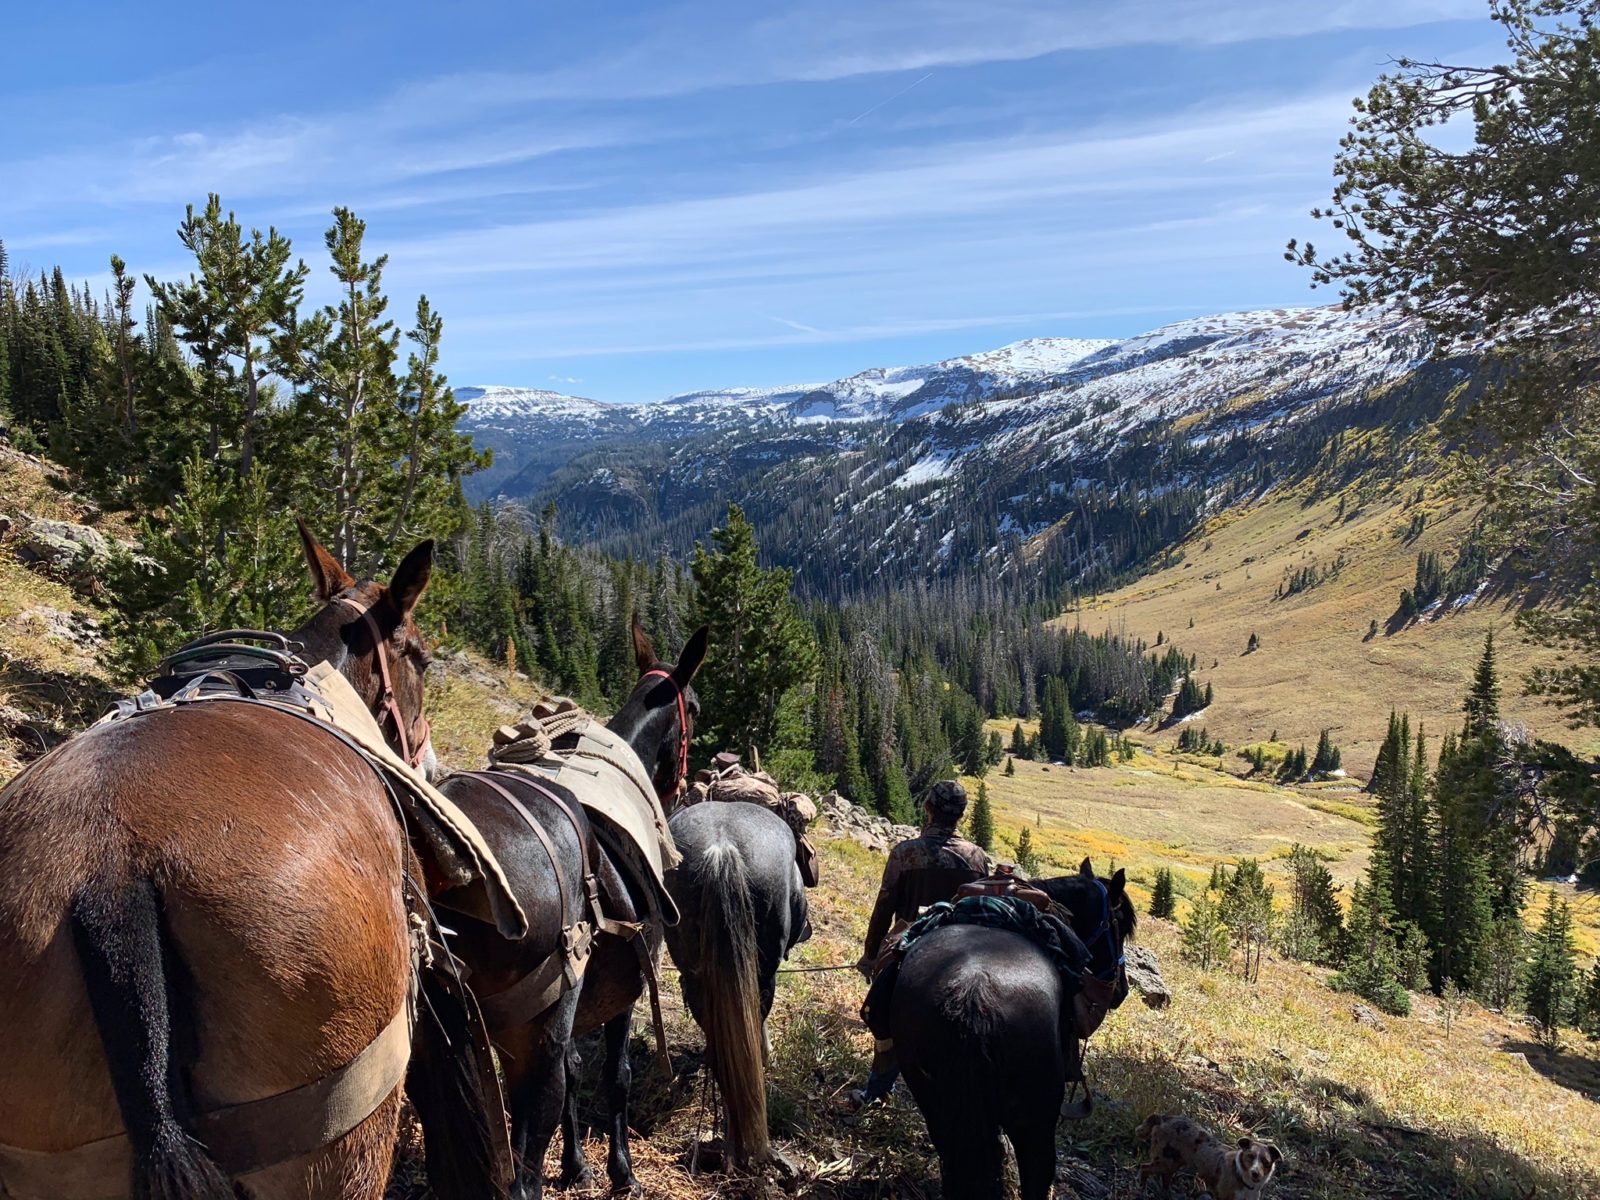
683	722
391	706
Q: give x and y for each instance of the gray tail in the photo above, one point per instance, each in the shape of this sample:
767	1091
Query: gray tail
117	929
732	1006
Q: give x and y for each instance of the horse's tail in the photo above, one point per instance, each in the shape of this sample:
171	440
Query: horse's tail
971	1159
449	1085
729	968
117	928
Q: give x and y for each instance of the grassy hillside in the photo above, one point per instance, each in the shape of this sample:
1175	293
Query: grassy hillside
1404	1109
1317	667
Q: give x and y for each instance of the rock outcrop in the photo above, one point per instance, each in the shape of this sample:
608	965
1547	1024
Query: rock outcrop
859	825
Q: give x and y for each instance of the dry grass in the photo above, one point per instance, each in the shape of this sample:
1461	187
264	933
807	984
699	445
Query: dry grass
1316	667
1405	1110
1161	810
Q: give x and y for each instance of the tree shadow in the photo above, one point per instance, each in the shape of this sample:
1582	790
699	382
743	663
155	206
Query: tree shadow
1572	1071
1337	1140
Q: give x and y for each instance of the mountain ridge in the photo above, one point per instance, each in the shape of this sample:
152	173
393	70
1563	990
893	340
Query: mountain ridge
1076	457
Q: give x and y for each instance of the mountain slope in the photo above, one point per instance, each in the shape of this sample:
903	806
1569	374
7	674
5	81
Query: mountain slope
1080	459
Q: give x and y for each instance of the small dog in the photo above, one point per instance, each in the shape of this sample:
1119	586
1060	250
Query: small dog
1228	1173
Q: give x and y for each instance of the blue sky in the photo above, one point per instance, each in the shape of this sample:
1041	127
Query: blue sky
625	200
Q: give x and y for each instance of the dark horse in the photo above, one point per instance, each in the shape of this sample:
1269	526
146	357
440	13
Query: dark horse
743	908
977	1023
203	906
546	868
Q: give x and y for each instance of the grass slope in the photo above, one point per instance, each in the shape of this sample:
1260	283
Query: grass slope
1402	1110
1317	667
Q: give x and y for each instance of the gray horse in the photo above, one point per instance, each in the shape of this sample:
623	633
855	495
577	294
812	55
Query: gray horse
743	909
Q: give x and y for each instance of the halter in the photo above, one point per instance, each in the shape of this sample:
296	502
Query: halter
391	706
1103	933
683	721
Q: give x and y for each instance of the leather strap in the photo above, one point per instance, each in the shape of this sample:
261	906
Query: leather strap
563	968
517	806
242	1138
683	724
391	704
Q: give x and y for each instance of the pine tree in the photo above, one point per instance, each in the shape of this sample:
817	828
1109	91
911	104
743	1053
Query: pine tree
1011	766
1313	928
1589	1004
1372	967
1550	980
1247	911
1327	757
1020	747
981	820
1027	860
1205	935
1503	953
1482	705
1162	903
760	646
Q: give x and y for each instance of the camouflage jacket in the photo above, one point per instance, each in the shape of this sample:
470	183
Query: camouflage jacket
922	871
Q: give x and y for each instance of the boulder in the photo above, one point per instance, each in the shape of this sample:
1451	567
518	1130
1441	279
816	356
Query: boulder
61	544
1144	976
1366	1016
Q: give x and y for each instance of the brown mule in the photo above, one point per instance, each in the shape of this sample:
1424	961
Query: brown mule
202	907
546	858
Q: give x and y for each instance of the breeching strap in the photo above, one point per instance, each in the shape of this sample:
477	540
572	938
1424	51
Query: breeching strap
242	1138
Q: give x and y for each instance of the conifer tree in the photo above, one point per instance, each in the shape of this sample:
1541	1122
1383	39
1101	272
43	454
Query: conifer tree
1019	743
760	646
1162	903
1011	766
1247	910
1372	967
982	819
1205	935
1313	928
1550	980
1482	705
1589	1004
1027	860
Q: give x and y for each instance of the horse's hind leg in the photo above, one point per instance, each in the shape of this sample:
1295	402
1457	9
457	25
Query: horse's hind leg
1033	1138
534	1061
575	1169
619	1079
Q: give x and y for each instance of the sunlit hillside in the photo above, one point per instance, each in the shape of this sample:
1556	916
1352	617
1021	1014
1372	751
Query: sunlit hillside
1319	665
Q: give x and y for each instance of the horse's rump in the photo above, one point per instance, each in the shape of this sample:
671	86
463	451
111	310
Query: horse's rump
276	868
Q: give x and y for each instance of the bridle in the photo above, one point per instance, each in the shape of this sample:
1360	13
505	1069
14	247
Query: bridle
683	722
391	705
1103	933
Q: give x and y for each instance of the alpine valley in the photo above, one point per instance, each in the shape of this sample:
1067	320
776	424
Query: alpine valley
1066	460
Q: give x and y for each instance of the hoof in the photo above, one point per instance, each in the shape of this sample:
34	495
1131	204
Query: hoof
576	1177
627	1187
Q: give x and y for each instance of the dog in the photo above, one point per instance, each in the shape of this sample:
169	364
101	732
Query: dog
1229	1173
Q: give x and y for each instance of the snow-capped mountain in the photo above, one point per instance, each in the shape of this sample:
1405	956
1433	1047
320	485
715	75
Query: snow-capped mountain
1052	446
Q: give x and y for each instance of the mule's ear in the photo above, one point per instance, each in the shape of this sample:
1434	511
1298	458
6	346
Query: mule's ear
1086	868
693	656
1119	881
643	652
410	577
326	573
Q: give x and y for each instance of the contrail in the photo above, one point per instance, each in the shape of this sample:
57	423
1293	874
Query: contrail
886	100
